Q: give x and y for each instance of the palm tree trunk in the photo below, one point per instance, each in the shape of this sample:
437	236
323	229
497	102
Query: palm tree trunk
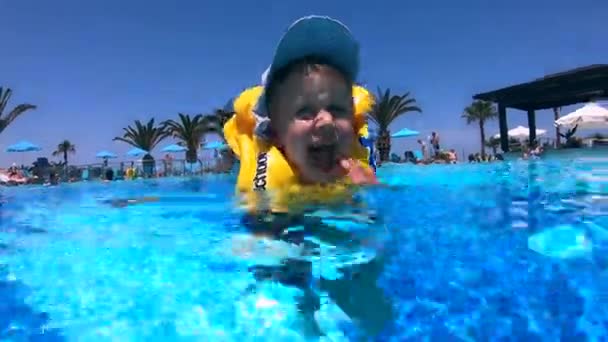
483	138
557	136
385	152
191	156
65	164
148	164
384	146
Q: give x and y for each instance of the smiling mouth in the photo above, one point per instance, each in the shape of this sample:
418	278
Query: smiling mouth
323	157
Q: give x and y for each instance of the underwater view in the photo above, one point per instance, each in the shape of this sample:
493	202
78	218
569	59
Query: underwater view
514	250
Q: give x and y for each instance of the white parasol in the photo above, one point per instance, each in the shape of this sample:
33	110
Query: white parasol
590	116
521	132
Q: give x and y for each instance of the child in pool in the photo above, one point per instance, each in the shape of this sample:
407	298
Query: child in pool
307	104
306	110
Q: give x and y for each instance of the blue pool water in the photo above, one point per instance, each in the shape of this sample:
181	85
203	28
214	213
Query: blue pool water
471	252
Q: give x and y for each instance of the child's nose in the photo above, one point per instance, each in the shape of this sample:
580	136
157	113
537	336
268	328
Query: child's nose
324	118
325	126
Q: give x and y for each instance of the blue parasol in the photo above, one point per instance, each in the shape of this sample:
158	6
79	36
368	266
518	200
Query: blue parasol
404	133
214	145
23	146
136	152
174	148
105	155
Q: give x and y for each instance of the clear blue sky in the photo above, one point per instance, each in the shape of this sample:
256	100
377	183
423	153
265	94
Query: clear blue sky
93	67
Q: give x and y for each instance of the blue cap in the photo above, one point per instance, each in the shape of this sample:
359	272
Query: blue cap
317	36
321	37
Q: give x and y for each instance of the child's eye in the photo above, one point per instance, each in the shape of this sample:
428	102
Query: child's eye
306	113
309	113
338	111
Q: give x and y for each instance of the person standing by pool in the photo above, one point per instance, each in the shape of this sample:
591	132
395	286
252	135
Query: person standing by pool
423	149
435	143
168	165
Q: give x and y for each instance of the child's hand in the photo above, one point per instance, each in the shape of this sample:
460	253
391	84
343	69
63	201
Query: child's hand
357	173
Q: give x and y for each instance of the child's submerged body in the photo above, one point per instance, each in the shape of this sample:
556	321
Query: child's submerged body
298	141
346	273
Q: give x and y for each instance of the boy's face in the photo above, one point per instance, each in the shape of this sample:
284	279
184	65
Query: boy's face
312	117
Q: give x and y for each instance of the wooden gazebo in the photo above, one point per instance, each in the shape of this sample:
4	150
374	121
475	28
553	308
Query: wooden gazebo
556	90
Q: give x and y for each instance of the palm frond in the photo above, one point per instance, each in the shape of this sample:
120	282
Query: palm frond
145	136
6	120
389	107
479	111
64	147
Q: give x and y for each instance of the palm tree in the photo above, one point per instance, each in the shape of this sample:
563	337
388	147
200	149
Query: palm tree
64	148
6	120
220	116
493	143
145	137
189	131
386	109
216	125
480	111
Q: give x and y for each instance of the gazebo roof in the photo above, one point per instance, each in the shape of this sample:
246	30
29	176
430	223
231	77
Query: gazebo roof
555	90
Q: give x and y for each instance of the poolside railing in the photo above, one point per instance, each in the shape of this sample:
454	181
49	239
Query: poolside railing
141	169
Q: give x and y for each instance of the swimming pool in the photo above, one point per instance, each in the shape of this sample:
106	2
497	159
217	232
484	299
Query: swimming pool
474	252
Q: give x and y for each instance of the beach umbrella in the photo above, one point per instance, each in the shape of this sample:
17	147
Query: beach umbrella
105	155
136	152
214	145
521	132
404	133
174	148
23	146
590	116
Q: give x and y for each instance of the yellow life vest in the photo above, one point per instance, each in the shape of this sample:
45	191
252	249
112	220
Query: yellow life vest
264	170
130	173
